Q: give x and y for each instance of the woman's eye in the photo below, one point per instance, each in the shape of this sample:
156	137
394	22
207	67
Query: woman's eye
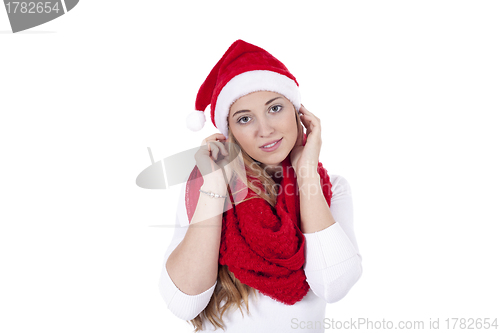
243	122
276	108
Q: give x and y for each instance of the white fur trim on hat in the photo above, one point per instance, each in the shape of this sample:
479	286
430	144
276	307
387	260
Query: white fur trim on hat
249	82
195	120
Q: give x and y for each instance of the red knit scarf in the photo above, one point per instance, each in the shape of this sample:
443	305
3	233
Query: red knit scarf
262	245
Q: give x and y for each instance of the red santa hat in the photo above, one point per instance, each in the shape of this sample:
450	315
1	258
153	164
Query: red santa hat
243	69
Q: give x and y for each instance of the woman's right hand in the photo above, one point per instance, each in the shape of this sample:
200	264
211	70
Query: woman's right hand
212	159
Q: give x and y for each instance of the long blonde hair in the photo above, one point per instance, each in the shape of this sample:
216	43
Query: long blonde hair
229	288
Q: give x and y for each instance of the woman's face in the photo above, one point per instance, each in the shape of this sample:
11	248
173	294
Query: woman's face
261	118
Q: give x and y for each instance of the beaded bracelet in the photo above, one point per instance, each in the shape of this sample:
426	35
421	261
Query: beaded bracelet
213	195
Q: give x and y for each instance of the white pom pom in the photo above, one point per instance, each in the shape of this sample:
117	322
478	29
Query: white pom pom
195	120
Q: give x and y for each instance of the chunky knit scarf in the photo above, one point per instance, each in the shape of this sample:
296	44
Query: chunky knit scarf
262	245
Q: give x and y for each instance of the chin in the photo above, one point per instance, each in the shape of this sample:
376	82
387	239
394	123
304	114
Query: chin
274	159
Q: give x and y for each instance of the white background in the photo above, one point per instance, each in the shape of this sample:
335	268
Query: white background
408	96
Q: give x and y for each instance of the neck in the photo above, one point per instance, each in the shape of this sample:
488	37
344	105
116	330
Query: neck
275	171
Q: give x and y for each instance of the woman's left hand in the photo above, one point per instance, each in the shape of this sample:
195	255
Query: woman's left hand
305	155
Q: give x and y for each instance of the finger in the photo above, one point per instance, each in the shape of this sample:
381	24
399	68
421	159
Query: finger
307	117
311	120
220	146
213	137
220	136
309	127
303	109
306	112
304	118
306	121
217	137
214	149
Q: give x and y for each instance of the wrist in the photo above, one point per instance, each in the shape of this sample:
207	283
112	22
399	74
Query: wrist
311	178
215	185
307	172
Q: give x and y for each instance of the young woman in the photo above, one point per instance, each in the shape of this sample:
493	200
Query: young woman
272	235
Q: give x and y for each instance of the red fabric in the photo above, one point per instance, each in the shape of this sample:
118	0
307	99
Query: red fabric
240	57
263	245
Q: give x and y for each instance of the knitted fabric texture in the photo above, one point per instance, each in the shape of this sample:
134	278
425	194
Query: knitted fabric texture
262	245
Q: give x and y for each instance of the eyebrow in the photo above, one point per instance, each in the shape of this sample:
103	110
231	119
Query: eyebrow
267	103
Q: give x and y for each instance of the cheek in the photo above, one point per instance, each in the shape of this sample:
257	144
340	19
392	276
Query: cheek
292	125
243	138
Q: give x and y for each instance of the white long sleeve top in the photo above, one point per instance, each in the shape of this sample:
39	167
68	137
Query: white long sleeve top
332	266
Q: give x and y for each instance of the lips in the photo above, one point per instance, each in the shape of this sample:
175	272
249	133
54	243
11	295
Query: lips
275	146
270	142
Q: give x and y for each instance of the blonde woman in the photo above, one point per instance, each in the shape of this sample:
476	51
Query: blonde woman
271	236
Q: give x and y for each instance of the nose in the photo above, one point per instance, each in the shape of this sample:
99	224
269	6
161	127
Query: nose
265	129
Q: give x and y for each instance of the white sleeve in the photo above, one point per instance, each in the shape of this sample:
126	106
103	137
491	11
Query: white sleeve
333	262
184	306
